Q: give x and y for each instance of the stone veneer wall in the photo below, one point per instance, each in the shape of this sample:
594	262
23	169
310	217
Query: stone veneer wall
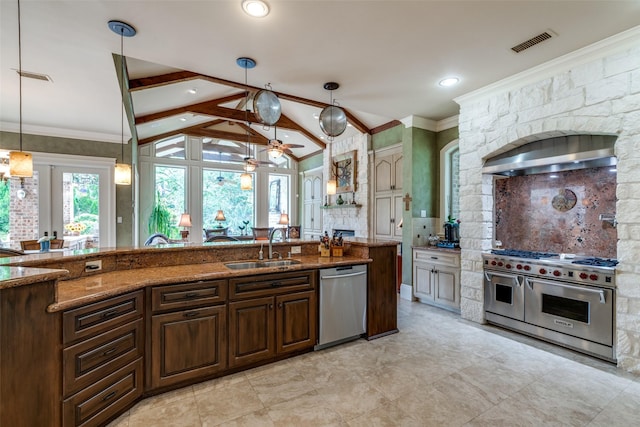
350	218
601	96
23	214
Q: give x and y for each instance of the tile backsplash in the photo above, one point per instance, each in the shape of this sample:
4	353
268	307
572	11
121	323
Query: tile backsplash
557	212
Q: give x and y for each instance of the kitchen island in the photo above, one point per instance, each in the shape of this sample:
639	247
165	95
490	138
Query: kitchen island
116	325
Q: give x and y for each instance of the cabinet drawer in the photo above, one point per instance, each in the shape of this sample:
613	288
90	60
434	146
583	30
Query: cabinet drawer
188	295
271	284
108	397
437	257
93	319
94	358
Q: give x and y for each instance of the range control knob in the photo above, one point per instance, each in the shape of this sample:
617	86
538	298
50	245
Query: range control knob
499	263
493	263
583	276
556	273
519	266
508	265
543	271
526	267
593	276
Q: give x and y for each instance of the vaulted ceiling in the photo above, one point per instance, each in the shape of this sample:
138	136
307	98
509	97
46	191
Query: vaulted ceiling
388	57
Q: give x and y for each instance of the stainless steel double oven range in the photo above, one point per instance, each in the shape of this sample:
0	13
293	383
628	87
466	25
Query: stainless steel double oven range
568	301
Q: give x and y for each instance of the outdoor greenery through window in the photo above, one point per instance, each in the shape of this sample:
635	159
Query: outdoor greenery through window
221	191
169	201
81	208
5	187
278	197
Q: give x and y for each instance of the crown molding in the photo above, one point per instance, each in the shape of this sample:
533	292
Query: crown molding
62	133
448	123
598	50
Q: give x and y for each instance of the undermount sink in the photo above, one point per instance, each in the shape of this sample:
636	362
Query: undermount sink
243	265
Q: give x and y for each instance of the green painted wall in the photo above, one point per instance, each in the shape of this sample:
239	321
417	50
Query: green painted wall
79	147
446	136
310	163
386	138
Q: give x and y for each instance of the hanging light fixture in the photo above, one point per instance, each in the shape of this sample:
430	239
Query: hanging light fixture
20	163
246	180
333	119
122	170
332	183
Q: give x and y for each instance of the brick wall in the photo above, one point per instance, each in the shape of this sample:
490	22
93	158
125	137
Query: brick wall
23	213
601	96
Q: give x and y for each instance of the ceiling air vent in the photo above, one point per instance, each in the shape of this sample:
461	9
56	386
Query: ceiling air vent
532	42
36	76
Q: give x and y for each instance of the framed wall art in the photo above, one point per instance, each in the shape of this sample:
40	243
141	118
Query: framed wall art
346	171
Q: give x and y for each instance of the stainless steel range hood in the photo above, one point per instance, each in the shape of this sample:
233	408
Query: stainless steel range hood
555	155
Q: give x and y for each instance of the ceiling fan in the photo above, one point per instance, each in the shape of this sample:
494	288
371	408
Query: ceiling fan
277	148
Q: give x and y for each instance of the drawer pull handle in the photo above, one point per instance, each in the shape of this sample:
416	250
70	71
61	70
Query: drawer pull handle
109	313
276	284
110	351
191	295
434	257
191	314
109	396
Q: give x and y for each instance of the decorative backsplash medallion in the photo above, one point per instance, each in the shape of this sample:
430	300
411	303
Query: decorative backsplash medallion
557	212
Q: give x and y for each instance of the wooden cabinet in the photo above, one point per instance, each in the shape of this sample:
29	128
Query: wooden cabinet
436	278
188	332
388	196
382	296
102	359
272	315
312	204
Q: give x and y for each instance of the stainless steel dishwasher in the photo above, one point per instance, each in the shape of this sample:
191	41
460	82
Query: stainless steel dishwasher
343	304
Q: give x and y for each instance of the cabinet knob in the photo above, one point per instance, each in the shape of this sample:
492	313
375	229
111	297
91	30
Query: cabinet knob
279	305
270	306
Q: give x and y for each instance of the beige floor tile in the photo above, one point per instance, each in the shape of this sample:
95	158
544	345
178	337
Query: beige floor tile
121	421
255	419
307	410
177	413
433	407
514	413
162	400
352	398
387	415
623	410
280	387
221	404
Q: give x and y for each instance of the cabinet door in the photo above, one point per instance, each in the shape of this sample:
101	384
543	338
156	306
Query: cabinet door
384	176
398	205
383	216
423	281
188	345
446	289
251	331
296	321
397	171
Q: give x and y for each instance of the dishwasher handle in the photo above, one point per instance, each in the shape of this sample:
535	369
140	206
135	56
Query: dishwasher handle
342	276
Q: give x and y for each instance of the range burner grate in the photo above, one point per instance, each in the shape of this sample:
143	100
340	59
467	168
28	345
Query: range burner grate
597	262
523	254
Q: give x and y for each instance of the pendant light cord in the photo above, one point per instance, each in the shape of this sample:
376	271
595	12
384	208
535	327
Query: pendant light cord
122	94
20	73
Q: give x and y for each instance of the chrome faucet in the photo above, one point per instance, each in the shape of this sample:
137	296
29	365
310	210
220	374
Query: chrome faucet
271	241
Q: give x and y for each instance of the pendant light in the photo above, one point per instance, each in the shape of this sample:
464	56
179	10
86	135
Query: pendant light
122	170
20	163
332	183
333	119
246	180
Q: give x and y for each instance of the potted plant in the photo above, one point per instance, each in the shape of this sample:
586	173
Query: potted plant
160	220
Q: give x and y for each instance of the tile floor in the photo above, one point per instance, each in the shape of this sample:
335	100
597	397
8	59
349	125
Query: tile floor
439	370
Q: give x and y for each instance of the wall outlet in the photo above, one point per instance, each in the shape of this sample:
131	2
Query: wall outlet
296	250
423	213
91	266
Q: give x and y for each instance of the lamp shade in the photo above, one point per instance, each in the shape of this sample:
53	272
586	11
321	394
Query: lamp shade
246	182
123	174
20	164
275	152
284	219
220	216
185	220
332	185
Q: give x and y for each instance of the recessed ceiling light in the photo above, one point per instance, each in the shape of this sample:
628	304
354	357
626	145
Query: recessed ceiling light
183	119
449	81
316	116
350	125
553	176
255	8
193	91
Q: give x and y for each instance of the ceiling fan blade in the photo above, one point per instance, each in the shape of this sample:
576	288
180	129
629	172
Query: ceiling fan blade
292	146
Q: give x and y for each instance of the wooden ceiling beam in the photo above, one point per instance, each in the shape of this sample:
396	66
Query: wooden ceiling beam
179	131
180	76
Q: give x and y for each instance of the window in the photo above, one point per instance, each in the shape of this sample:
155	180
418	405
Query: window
169	201
5	187
450	181
172	148
221	191
278	197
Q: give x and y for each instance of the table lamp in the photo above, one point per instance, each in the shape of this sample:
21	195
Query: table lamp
185	221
